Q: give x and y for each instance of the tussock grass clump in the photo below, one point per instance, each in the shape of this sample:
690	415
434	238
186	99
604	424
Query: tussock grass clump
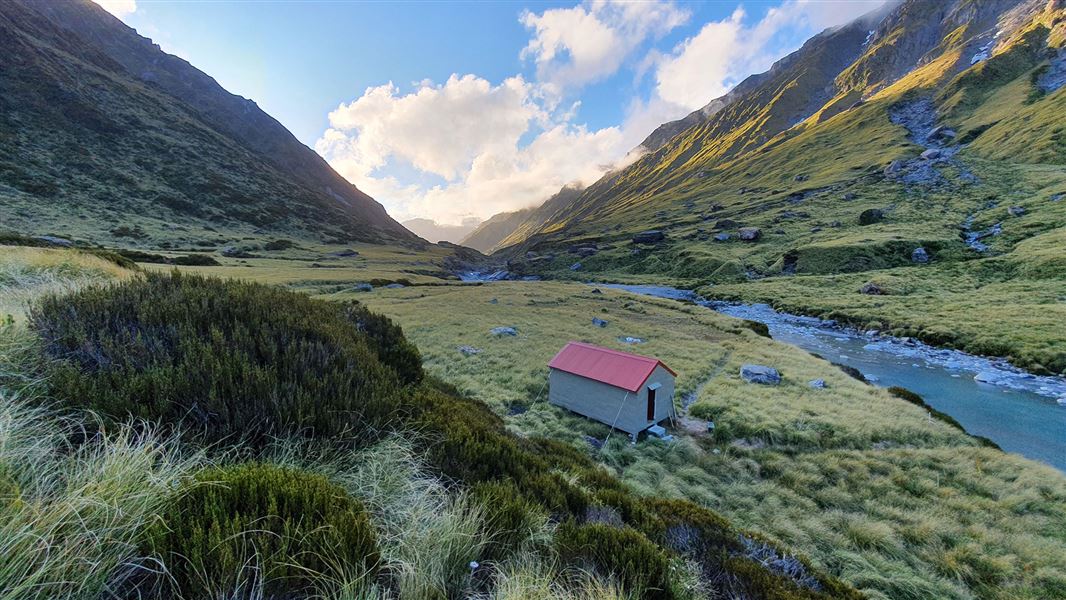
72	517
226	359
264	527
27	273
618	552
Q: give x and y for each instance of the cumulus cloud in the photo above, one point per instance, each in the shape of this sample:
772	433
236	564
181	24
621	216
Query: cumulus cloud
119	8
473	135
587	43
470	148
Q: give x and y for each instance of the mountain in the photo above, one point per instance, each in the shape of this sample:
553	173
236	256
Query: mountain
923	125
542	214
487	236
108	138
430	230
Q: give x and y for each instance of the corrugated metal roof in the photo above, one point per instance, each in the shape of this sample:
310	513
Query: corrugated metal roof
620	369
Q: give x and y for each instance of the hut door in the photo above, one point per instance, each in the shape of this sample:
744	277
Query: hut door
651	404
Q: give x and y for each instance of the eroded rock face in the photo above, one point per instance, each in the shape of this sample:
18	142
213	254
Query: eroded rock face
871	216
871	289
760	374
750	234
649	237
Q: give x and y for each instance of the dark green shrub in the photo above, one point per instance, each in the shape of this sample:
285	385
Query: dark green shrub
256	520
389	343
510	517
224	359
691	530
279	244
623	553
195	260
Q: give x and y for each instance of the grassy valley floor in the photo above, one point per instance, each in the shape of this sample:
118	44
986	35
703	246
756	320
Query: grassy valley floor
867	485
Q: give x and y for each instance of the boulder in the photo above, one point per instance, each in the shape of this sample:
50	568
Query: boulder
1016	211
990	377
799	178
649	237
871	289
931	154
920	256
394	286
362	287
596	291
750	234
55	241
502	331
760	374
631	340
468	350
598	322
575	267
893	168
722	237
849	196
818	384
494	301
344	253
871	216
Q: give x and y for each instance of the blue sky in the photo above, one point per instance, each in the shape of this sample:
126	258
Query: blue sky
460	110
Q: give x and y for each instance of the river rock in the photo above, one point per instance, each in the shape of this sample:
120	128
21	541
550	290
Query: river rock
649	237
502	331
1016	211
468	350
818	384
893	168
931	154
871	216
760	374
750	234
989	377
598	322
919	256
871	289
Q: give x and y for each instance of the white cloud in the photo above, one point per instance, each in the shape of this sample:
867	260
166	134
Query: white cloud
469	148
470	133
119	8
723	53
587	43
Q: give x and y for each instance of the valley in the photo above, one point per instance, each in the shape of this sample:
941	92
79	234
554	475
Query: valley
227	372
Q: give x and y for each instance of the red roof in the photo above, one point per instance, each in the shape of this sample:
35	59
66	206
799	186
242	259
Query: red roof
620	369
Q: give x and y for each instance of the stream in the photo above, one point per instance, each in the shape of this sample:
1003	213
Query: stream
1019	411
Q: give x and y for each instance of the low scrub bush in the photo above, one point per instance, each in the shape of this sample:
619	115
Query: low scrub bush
224	359
622	553
261	527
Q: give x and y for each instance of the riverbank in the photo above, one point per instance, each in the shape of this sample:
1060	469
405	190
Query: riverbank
989	397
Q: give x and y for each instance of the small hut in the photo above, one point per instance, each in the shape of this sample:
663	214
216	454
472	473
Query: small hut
629	392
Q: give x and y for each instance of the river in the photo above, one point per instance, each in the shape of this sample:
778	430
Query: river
1017	410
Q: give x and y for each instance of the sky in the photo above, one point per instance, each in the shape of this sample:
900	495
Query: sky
456	111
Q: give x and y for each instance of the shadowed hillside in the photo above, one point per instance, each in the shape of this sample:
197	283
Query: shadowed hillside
105	137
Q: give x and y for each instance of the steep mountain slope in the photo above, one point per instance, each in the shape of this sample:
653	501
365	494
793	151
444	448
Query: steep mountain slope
847	125
491	232
559	201
105	136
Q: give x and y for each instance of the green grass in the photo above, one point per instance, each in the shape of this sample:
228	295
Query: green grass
867	485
